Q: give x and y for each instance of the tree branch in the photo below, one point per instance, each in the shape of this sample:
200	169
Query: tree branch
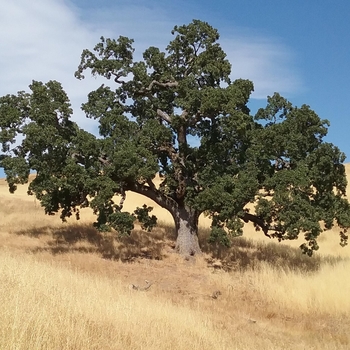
258	221
78	158
165	116
103	161
165	85
184	114
151	185
81	159
117	76
154	194
123	195
170	151
147	90
281	164
195	119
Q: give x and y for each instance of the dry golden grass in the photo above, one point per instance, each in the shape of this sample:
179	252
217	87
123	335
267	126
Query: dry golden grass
66	286
47	306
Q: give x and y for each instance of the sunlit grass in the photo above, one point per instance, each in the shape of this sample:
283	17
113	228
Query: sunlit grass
51	307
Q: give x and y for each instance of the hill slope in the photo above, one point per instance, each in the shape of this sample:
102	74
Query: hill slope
66	286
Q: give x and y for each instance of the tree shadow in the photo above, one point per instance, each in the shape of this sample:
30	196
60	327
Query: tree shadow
242	255
77	233
246	254
139	244
84	238
65	237
35	232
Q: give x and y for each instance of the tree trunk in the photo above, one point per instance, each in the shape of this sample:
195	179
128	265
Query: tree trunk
186	220
186	223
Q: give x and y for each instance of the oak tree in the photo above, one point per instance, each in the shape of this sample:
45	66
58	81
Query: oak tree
176	114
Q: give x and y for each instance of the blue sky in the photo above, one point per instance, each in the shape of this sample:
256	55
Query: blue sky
298	48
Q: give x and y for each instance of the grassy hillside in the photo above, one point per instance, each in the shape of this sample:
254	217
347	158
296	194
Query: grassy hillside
66	286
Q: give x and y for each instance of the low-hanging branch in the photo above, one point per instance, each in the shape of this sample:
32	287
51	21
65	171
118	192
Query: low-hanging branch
258	221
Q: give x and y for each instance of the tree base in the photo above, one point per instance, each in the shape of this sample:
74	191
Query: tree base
187	244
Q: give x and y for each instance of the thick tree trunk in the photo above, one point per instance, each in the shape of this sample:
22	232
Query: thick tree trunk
186	223
186	220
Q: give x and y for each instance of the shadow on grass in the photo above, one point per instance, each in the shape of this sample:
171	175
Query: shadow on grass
248	254
243	253
84	238
36	232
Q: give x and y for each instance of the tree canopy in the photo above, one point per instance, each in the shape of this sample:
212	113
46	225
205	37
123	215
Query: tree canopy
176	114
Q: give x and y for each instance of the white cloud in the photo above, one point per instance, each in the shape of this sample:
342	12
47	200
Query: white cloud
43	40
37	39
267	63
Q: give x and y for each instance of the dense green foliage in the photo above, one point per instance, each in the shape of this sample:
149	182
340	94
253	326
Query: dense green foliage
176	113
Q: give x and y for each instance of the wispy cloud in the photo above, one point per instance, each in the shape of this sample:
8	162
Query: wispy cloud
267	63
43	40
38	39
